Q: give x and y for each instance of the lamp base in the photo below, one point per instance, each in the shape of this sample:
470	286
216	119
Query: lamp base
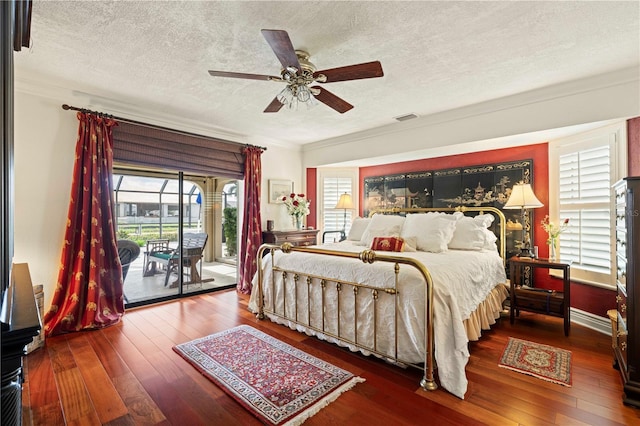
526	252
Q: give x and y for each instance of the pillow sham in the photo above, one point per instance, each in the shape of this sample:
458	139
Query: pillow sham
468	235
381	224
490	240
387	244
432	231
358	226
471	233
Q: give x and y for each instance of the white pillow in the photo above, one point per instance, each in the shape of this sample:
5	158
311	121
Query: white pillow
358	227
471	233
410	243
382	226
432	231
468	235
490	240
485	219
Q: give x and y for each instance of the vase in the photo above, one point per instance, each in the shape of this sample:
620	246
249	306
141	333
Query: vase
553	249
297	221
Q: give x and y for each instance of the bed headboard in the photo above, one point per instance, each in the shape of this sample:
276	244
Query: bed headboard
498	227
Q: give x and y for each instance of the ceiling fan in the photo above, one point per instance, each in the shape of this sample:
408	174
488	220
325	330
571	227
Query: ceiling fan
299	74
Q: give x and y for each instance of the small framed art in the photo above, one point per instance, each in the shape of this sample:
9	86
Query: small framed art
279	189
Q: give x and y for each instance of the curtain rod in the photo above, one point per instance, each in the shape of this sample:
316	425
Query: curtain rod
126	120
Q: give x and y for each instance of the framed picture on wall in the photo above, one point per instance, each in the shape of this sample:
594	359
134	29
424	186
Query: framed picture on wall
279	189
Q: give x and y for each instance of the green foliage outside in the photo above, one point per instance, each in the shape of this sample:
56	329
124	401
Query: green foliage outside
141	234
231	230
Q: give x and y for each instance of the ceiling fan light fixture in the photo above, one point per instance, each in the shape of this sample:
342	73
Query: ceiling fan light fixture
311	102
303	93
285	97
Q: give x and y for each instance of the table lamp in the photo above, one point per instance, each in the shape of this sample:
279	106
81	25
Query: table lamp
344	203
522	197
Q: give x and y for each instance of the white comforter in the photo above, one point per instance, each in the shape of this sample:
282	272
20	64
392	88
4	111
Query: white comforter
462	280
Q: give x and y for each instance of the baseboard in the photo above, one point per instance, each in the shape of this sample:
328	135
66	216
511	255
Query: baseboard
589	320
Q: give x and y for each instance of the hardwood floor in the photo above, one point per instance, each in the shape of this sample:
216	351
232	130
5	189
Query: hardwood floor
128	374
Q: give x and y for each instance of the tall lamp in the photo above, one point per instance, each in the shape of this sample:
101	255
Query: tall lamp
522	197
346	203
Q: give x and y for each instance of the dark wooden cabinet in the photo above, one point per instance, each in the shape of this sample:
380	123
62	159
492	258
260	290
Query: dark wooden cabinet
536	299
625	321
302	237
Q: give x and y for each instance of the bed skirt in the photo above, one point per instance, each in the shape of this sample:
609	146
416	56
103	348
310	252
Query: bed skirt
487	313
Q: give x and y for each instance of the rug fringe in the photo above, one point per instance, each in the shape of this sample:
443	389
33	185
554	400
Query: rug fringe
309	412
529	373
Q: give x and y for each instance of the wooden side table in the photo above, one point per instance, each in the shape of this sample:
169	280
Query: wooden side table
302	237
539	300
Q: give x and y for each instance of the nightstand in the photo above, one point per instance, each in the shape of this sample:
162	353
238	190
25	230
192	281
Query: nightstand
539	300
302	237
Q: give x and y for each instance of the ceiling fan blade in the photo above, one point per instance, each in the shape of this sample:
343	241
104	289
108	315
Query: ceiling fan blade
332	100
281	45
352	72
244	75
274	106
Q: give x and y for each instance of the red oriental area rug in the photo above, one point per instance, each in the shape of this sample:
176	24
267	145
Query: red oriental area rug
279	384
541	361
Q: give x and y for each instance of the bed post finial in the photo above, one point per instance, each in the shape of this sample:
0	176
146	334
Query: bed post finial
367	256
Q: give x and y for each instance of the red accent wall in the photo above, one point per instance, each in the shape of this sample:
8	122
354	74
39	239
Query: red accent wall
633	146
312	179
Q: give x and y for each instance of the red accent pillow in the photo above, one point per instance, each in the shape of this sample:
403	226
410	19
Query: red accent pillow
387	244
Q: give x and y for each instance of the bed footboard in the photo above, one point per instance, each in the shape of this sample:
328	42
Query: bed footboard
308	288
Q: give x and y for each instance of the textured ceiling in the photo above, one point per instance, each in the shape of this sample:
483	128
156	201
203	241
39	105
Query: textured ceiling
149	60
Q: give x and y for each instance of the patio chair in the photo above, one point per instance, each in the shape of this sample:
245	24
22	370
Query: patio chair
154	246
128	251
193	248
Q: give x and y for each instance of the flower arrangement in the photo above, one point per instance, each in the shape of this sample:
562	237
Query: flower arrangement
296	204
554	230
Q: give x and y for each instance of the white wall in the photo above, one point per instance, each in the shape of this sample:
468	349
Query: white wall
45	139
281	164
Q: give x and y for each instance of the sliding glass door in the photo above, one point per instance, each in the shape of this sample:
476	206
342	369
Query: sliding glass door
177	223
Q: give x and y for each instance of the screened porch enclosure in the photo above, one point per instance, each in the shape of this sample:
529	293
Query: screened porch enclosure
148	211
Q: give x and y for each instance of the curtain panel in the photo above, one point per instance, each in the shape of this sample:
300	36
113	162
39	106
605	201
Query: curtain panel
89	290
251	236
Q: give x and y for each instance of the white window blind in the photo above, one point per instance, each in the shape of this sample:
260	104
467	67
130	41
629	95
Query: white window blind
585	199
332	189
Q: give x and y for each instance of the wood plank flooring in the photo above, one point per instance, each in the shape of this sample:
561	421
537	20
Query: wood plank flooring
128	374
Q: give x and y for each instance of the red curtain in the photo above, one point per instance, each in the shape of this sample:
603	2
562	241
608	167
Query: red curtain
251	237
89	291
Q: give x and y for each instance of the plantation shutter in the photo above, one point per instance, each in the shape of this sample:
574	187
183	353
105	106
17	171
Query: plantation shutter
333	188
585	192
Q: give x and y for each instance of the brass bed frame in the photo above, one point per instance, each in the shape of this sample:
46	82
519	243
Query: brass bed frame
367	256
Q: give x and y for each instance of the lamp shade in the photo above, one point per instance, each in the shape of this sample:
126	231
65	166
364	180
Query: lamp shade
522	197
345	202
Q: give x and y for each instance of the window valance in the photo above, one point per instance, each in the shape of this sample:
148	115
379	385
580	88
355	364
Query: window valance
142	145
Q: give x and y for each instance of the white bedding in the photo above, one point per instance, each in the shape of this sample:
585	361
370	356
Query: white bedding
462	280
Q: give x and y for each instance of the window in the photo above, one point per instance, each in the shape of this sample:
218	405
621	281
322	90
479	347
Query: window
586	168
333	183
